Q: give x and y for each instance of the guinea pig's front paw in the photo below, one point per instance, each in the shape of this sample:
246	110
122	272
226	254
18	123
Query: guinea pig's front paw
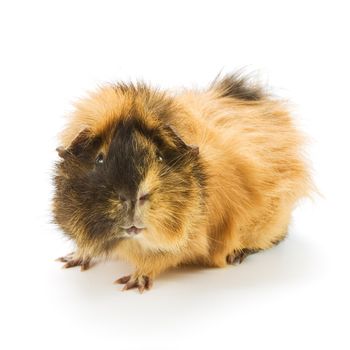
71	260
141	282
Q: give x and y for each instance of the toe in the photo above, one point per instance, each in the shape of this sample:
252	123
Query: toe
230	259
142	283
66	258
85	265
72	263
130	285
241	258
235	258
148	282
123	280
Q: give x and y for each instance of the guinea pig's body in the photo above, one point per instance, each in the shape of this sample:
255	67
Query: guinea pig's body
161	179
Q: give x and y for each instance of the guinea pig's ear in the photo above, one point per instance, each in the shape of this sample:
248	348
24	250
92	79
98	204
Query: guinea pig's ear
84	141
180	143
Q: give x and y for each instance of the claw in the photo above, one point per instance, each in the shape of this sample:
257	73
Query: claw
70	261
123	280
66	258
148	282
130	285
142	283
235	258
239	256
85	265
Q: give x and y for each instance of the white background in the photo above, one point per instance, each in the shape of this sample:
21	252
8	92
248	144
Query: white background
295	296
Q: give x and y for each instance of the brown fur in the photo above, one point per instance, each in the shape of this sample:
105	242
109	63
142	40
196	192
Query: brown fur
236	194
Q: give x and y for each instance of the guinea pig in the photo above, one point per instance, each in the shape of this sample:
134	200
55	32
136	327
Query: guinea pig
162	179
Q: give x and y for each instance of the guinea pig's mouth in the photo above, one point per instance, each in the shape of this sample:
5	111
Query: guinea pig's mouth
132	230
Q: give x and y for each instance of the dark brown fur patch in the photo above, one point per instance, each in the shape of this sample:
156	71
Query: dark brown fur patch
237	86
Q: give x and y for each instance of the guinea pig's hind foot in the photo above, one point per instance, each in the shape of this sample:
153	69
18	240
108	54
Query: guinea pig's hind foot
140	282
71	260
237	256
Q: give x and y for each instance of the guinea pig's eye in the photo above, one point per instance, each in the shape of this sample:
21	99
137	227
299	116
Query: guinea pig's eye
159	157
99	160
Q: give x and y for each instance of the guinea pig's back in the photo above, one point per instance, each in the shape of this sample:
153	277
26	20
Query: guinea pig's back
254	142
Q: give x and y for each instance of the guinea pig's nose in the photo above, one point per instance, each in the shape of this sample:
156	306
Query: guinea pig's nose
133	230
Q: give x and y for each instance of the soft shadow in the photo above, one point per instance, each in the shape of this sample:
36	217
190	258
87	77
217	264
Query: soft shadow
183	292
293	261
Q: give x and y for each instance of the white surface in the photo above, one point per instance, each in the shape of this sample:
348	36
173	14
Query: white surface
295	296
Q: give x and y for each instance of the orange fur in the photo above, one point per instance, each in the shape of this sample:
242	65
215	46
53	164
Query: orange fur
252	154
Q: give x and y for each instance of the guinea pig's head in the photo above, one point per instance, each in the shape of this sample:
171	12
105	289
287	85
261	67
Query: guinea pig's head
136	179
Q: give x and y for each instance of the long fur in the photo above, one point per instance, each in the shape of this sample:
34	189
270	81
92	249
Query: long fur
237	193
